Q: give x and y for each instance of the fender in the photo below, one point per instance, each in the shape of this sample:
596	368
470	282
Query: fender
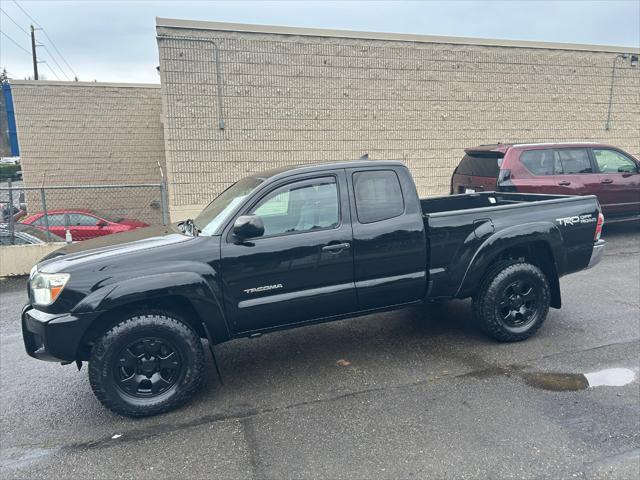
543	232
200	290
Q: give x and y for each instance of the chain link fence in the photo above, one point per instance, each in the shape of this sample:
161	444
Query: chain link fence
76	213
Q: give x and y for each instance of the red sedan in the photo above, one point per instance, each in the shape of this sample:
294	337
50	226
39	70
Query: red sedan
82	224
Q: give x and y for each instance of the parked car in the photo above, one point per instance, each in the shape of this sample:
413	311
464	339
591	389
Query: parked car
556	168
82	224
292	247
25	235
6	211
11	171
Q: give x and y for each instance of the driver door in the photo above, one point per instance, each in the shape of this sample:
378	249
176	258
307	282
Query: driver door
301	269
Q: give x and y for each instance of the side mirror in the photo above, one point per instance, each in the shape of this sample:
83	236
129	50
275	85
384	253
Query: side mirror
101	223
248	226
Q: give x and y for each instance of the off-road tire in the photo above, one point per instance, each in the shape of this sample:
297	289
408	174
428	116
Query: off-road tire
162	326
489	275
493	289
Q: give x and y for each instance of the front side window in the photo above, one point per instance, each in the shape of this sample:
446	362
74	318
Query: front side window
610	161
574	160
541	162
378	195
300	207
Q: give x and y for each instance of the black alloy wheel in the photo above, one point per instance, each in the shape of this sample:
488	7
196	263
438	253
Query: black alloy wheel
519	304
148	363
513	301
147	367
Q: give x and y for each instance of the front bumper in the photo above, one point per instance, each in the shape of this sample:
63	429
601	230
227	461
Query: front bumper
53	337
597	253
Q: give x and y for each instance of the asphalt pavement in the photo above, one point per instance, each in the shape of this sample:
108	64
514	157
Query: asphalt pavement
418	393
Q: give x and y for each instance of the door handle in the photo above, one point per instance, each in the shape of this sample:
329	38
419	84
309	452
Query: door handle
606	180
564	183
336	247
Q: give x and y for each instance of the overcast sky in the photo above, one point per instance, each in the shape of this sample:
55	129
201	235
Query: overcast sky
115	40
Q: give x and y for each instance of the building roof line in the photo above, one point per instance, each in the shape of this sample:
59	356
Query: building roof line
82	84
399	37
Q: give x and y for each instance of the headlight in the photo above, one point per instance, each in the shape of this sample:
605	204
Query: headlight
46	287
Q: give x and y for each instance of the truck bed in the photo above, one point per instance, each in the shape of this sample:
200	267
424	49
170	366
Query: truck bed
459	227
453	203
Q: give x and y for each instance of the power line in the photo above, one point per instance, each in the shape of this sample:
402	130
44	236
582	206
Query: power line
48	37
52	70
15	43
39	61
55	61
25	12
56	49
16	23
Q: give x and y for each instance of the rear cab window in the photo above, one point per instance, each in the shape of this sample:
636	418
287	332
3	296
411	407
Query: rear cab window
378	195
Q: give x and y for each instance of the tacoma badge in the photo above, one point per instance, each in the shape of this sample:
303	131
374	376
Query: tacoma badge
263	288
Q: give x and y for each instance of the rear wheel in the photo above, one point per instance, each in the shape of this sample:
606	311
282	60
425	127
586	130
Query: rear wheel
513	301
147	364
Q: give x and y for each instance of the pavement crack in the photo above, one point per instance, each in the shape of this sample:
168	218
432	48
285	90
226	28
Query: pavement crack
251	441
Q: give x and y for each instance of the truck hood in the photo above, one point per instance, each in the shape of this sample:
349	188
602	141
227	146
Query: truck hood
102	250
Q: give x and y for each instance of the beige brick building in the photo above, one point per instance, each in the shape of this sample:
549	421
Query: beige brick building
294	96
75	133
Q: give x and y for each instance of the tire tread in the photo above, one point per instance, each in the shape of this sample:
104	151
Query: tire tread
487	293
193	380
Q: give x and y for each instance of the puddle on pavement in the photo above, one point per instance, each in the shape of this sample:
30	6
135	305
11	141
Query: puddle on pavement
566	382
557	382
611	377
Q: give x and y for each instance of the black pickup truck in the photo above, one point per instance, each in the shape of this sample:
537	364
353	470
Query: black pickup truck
291	247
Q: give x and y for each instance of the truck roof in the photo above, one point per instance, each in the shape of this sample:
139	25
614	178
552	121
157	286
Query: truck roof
285	171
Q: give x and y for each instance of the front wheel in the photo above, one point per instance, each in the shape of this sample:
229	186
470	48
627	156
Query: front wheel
146	364
513	302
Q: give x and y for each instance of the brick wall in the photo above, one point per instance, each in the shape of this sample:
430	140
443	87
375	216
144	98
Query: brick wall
74	133
295	99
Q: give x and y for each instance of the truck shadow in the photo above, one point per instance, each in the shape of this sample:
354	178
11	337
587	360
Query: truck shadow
366	346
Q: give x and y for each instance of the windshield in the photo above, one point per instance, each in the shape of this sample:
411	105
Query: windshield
217	212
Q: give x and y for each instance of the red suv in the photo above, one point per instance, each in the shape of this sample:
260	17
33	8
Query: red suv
555	168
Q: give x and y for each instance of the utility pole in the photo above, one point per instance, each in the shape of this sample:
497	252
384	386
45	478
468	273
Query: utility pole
33	53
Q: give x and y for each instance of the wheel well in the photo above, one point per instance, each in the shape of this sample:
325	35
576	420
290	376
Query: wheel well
537	253
175	305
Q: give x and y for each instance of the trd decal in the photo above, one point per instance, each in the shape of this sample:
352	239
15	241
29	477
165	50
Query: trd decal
577	219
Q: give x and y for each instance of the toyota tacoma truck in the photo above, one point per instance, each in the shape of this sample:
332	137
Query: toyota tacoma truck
293	247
